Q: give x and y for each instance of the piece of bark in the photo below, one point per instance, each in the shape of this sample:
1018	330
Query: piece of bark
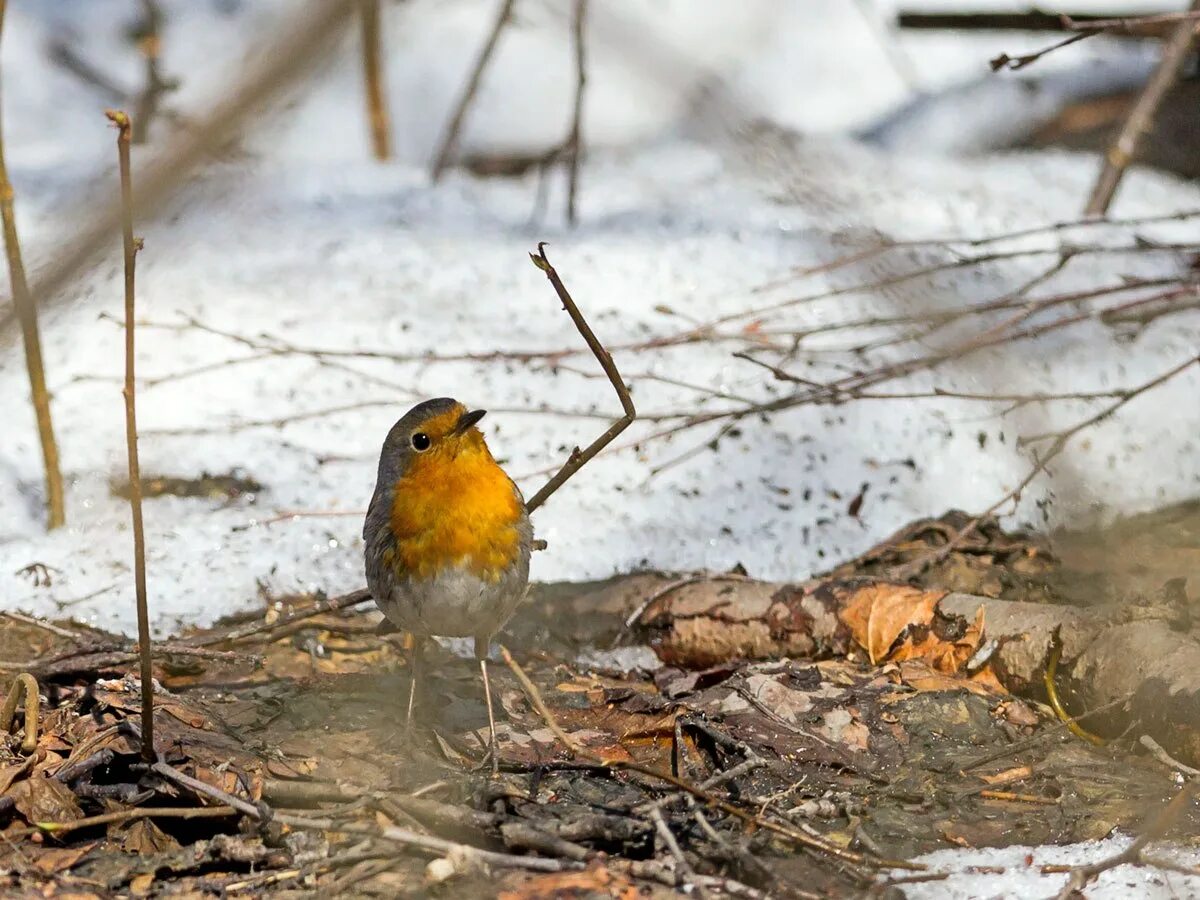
1143	650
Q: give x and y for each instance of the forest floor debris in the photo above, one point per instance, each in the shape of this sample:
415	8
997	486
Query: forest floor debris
283	762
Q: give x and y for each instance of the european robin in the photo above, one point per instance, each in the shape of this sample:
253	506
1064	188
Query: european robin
447	537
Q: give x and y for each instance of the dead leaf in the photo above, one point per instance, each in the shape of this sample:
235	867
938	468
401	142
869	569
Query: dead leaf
144	837
141	884
879	614
58	859
1017	712
9	774
918	675
45	800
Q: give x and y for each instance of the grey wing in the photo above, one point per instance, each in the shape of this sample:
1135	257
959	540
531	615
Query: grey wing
377	540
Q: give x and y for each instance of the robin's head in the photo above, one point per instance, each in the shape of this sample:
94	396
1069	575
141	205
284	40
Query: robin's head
430	437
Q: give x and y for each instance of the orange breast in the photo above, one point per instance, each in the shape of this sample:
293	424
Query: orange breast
455	506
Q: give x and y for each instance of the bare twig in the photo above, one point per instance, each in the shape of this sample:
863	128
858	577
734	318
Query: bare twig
205	789
150	45
535	697
1158	752
1140	119
24	687
573	147
126	815
241	633
1031	20
682	865
442	159
377	110
131	246
1013	63
26	311
579	458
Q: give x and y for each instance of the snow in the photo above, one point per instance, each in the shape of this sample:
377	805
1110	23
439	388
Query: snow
1016	872
301	237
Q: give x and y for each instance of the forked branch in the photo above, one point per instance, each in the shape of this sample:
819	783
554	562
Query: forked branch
579	458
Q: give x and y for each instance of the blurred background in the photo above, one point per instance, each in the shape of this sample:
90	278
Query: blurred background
843	264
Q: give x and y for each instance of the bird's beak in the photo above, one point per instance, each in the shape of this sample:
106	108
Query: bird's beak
467	420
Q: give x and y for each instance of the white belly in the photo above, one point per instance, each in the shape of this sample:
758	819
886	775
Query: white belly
455	603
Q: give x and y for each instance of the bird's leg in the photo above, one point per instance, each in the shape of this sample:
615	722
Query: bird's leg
481	651
416	659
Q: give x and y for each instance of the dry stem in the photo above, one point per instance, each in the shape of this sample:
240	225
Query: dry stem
573	139
131	246
26	311
377	110
450	139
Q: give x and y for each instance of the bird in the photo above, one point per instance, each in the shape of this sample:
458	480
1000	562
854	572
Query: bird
447	537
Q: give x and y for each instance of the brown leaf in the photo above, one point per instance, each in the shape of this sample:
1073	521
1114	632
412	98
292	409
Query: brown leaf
52	860
9	774
918	675
879	614
45	800
141	884
845	728
143	837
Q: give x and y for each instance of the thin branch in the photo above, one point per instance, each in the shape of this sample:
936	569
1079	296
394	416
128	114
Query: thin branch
1013	63
131	246
579	458
1141	118
442	159
573	146
125	815
150	45
26	311
372	54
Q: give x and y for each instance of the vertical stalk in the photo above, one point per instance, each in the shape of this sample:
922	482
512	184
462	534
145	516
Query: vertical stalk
27	316
377	111
131	246
573	140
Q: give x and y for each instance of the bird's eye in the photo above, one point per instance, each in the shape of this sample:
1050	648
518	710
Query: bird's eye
420	441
